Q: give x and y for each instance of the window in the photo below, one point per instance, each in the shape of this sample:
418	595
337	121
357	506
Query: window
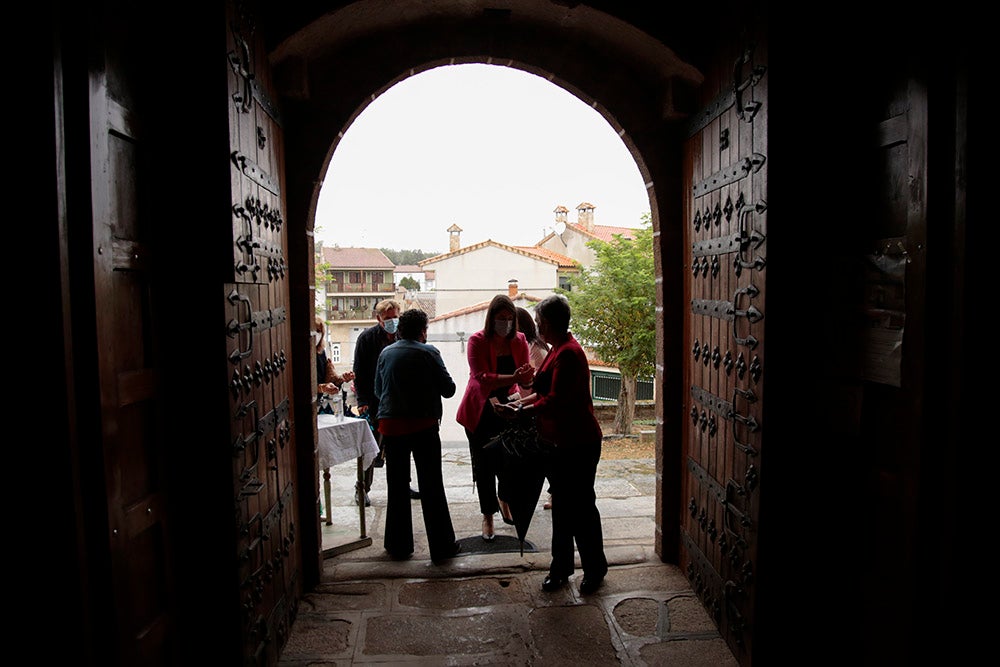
564	283
354	277
335	353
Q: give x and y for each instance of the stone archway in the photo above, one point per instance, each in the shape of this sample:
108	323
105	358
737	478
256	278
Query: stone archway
331	69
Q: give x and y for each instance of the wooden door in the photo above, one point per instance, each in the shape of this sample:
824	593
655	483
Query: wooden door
725	234
132	447
255	299
892	358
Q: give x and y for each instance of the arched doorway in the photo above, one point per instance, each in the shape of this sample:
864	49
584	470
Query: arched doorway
621	89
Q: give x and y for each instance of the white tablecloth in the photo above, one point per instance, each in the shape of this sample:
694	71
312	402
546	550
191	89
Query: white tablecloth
345	441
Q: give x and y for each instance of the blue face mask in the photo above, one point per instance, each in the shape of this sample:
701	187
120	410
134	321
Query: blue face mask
390	325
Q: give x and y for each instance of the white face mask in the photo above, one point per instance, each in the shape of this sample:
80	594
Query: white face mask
317	337
503	327
390	325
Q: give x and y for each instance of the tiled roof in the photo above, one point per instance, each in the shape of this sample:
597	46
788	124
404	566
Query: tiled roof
604	232
564	261
520	250
483	306
424	303
408	268
357	258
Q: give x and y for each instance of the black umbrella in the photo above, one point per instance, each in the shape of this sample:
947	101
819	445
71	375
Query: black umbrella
520	461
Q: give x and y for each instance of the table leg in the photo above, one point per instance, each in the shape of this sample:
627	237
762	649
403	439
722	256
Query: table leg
360	494
326	496
359	486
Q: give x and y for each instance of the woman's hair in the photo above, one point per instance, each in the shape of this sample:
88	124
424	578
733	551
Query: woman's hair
526	325
499	303
555	311
412	323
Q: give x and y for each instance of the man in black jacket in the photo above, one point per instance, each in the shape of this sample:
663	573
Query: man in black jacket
369	345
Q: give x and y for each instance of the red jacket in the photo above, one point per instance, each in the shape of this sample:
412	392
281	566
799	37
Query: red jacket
483	375
564	409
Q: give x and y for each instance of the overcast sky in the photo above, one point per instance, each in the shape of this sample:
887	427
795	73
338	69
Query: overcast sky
492	149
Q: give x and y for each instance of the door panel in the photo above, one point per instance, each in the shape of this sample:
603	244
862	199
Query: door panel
132	444
725	185
256	297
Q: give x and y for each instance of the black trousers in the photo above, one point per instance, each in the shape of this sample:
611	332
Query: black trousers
425	448
575	517
484	471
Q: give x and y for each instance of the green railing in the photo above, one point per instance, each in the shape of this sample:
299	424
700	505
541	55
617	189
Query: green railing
605	386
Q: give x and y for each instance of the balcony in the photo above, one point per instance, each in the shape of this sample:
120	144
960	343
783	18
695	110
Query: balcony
359	288
359	314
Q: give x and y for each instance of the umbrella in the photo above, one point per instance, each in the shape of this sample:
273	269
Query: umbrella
520	461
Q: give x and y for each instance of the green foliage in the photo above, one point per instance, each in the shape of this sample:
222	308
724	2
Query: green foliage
319	280
614	302
401	257
409	283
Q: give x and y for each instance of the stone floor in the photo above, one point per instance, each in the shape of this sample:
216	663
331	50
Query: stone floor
479	609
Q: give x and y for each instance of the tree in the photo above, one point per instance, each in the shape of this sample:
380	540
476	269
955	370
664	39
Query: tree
401	257
614	312
410	283
320	281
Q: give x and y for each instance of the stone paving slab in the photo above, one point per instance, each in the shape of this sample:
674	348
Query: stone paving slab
489	609
644	614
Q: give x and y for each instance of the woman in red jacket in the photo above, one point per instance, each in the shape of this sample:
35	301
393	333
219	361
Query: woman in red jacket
498	360
564	415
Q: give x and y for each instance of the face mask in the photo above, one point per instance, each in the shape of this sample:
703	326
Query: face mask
390	325
317	336
503	327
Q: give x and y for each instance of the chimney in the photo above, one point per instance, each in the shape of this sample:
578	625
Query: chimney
561	212
455	238
512	288
585	216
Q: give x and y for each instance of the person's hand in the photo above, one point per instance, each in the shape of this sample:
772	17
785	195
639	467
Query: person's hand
329	388
509	411
348	376
362	409
524	375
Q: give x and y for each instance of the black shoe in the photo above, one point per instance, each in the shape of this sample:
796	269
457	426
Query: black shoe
357	499
414	495
368	501
590	584
553	583
454	551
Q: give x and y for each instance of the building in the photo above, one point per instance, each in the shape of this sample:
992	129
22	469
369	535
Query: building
424	278
467	276
356	280
571	238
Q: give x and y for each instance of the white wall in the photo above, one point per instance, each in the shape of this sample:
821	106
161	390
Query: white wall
472	277
443	334
572	244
